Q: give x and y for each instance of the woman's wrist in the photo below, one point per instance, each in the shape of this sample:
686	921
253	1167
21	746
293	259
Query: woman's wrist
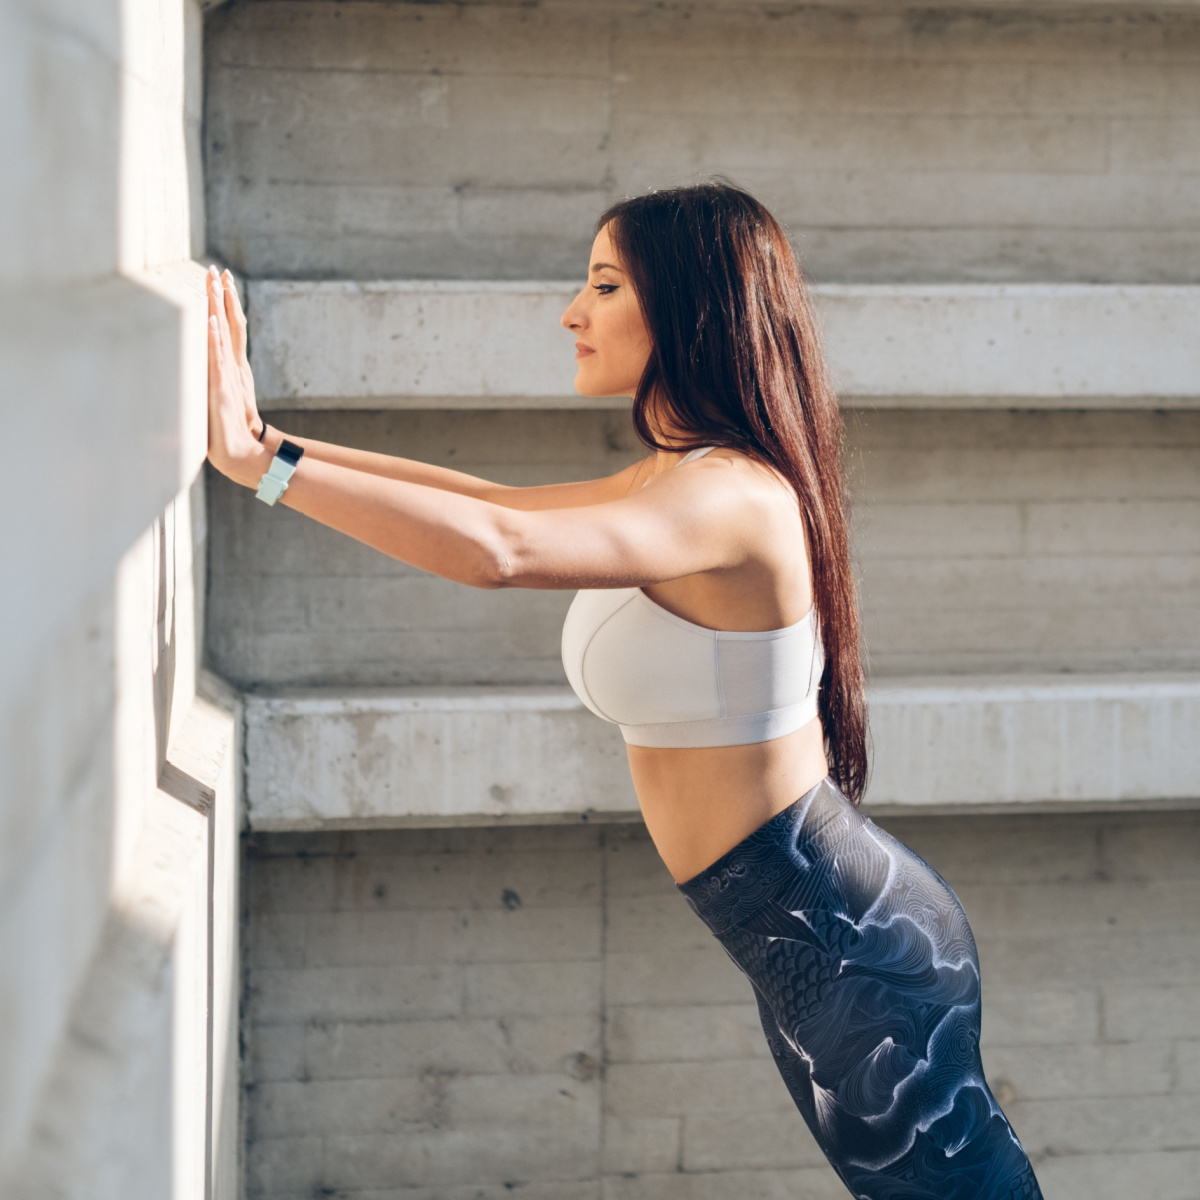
272	438
252	468
260	461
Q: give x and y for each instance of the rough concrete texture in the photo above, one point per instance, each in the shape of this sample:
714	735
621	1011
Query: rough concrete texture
363	758
406	344
357	759
536	1013
375	140
118	788
986	542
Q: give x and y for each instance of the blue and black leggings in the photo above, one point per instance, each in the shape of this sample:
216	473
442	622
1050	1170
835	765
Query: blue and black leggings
867	981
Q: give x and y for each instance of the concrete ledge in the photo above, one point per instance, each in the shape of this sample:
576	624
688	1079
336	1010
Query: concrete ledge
405	344
484	755
325	759
1049	742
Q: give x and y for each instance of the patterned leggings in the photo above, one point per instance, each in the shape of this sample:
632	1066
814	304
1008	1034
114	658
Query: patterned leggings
867	981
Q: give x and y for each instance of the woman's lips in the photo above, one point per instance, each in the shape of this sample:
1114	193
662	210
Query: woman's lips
582	350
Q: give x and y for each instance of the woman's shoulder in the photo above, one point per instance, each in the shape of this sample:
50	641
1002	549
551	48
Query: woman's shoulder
748	467
749	476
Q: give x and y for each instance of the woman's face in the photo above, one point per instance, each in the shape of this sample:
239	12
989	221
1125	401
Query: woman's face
612	343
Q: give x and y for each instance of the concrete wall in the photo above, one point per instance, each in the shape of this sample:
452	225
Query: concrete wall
456	141
1006	541
118	759
536	1013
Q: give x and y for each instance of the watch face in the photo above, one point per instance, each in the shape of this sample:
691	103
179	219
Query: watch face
289	452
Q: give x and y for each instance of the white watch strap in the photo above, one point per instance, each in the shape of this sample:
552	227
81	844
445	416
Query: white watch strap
275	482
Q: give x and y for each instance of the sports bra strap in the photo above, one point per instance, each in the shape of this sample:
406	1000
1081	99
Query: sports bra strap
699	452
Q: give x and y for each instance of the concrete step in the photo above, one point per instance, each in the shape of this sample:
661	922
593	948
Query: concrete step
420	344
322	759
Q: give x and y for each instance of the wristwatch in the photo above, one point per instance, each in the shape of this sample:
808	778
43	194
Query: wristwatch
275	482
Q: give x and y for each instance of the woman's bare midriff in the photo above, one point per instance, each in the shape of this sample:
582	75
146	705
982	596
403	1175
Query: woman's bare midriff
700	803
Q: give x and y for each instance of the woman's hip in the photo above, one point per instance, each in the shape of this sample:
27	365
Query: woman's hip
820	883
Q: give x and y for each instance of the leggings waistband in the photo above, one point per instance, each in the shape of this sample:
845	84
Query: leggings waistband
745	879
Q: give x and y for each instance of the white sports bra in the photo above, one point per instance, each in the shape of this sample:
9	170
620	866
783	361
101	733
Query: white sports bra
669	682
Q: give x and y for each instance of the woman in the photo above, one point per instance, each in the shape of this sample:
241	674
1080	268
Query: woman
716	623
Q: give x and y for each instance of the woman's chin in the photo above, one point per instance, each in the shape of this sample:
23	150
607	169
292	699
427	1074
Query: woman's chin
584	385
597	388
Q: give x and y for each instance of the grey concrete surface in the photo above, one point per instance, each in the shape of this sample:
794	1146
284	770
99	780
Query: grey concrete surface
536	1012
387	758
457	344
986	542
360	759
119	787
373	140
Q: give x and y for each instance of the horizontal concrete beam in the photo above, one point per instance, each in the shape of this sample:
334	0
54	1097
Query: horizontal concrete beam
1056	741
409	756
402	756
405	344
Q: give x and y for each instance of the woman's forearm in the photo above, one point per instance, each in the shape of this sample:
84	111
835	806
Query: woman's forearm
389	466
408	470
457	536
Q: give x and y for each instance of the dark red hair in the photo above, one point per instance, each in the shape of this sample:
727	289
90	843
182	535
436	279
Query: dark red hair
737	361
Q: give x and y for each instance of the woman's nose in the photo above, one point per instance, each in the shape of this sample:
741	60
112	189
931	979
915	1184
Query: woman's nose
573	318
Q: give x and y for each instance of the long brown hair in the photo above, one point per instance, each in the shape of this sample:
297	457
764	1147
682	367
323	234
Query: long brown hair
737	362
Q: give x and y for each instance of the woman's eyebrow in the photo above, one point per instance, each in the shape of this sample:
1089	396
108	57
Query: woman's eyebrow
606	267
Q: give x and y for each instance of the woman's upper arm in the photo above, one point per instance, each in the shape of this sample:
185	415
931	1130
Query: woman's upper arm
686	523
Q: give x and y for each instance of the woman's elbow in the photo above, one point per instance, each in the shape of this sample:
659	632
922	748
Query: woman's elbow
489	575
494	566
507	554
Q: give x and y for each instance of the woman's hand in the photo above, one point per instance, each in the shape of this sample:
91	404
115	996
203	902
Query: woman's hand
233	420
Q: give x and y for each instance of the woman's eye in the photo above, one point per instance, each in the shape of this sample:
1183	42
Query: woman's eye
605	289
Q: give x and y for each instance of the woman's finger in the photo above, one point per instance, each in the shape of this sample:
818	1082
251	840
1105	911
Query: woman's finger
234	316
229	364
217	369
223	368
216	301
222	320
214	385
219	310
216	294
